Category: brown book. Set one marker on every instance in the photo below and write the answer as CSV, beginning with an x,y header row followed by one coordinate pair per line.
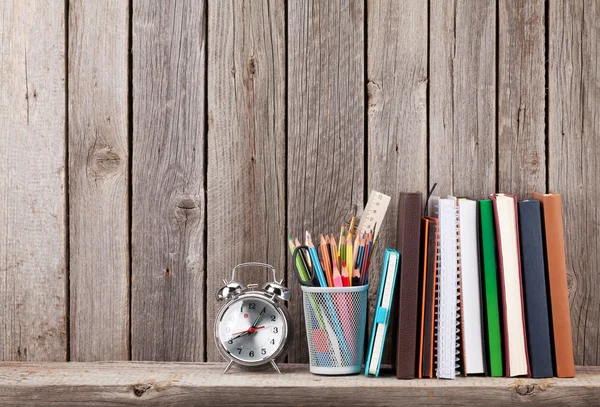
x,y
557,280
408,240
427,287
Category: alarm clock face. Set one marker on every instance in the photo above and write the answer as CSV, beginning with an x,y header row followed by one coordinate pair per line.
x,y
252,330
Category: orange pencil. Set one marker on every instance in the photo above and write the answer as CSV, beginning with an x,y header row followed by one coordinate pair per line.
x,y
337,277
326,263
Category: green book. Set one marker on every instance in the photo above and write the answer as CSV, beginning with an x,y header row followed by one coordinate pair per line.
x,y
489,265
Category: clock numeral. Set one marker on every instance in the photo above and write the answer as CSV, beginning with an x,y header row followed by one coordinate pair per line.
x,y
251,354
239,351
272,342
228,329
263,351
273,318
275,329
252,305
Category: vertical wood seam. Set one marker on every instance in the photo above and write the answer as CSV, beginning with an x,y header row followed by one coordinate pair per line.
x,y
427,109
365,103
130,172
205,187
288,272
67,207
547,91
496,121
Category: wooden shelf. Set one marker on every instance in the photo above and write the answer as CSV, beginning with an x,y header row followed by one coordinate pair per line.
x,y
147,383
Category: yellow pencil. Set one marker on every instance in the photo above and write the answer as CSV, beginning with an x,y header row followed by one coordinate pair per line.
x,y
349,257
339,254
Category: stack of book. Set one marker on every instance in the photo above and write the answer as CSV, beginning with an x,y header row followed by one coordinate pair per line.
x,y
481,289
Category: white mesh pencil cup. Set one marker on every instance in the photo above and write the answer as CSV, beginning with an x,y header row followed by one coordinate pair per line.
x,y
335,328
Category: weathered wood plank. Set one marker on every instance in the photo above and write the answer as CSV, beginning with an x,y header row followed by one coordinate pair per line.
x,y
397,111
98,174
167,315
574,148
167,384
521,97
32,181
246,144
325,125
462,97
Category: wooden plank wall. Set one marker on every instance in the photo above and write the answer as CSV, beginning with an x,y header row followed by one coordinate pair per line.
x,y
142,162
98,180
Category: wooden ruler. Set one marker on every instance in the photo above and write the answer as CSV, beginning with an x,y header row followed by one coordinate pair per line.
x,y
372,216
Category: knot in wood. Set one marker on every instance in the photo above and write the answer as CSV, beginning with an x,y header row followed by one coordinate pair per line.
x,y
103,162
186,210
141,388
252,66
527,389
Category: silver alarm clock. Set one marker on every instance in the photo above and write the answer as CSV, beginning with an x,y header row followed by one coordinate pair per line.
x,y
253,327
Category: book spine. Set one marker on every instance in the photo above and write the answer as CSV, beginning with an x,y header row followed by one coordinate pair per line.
x,y
459,320
448,330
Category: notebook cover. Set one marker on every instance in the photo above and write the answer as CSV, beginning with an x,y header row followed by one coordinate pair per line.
x,y
408,241
489,268
471,309
503,295
382,315
534,288
557,280
427,300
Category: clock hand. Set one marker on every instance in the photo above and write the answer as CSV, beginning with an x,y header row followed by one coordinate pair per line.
x,y
259,317
244,333
250,330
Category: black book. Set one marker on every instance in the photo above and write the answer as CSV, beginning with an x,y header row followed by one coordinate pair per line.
x,y
533,267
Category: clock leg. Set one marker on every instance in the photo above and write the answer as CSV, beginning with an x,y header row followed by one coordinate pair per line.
x,y
228,366
275,366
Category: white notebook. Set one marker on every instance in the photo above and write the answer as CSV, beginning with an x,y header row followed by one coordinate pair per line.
x,y
471,288
505,211
447,288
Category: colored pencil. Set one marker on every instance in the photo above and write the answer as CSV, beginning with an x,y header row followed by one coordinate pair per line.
x,y
345,276
337,277
349,257
316,263
326,262
339,247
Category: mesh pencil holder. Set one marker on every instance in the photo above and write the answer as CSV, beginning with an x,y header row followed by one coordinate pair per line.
x,y
335,328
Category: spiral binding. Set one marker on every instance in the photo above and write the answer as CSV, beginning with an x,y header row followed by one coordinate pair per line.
x,y
447,309
438,264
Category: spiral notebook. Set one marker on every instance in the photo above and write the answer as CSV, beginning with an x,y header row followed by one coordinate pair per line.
x,y
448,288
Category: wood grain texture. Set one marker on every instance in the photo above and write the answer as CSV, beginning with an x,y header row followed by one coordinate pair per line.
x,y
397,113
521,97
326,150
462,97
167,315
98,180
32,182
246,145
574,148
178,384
